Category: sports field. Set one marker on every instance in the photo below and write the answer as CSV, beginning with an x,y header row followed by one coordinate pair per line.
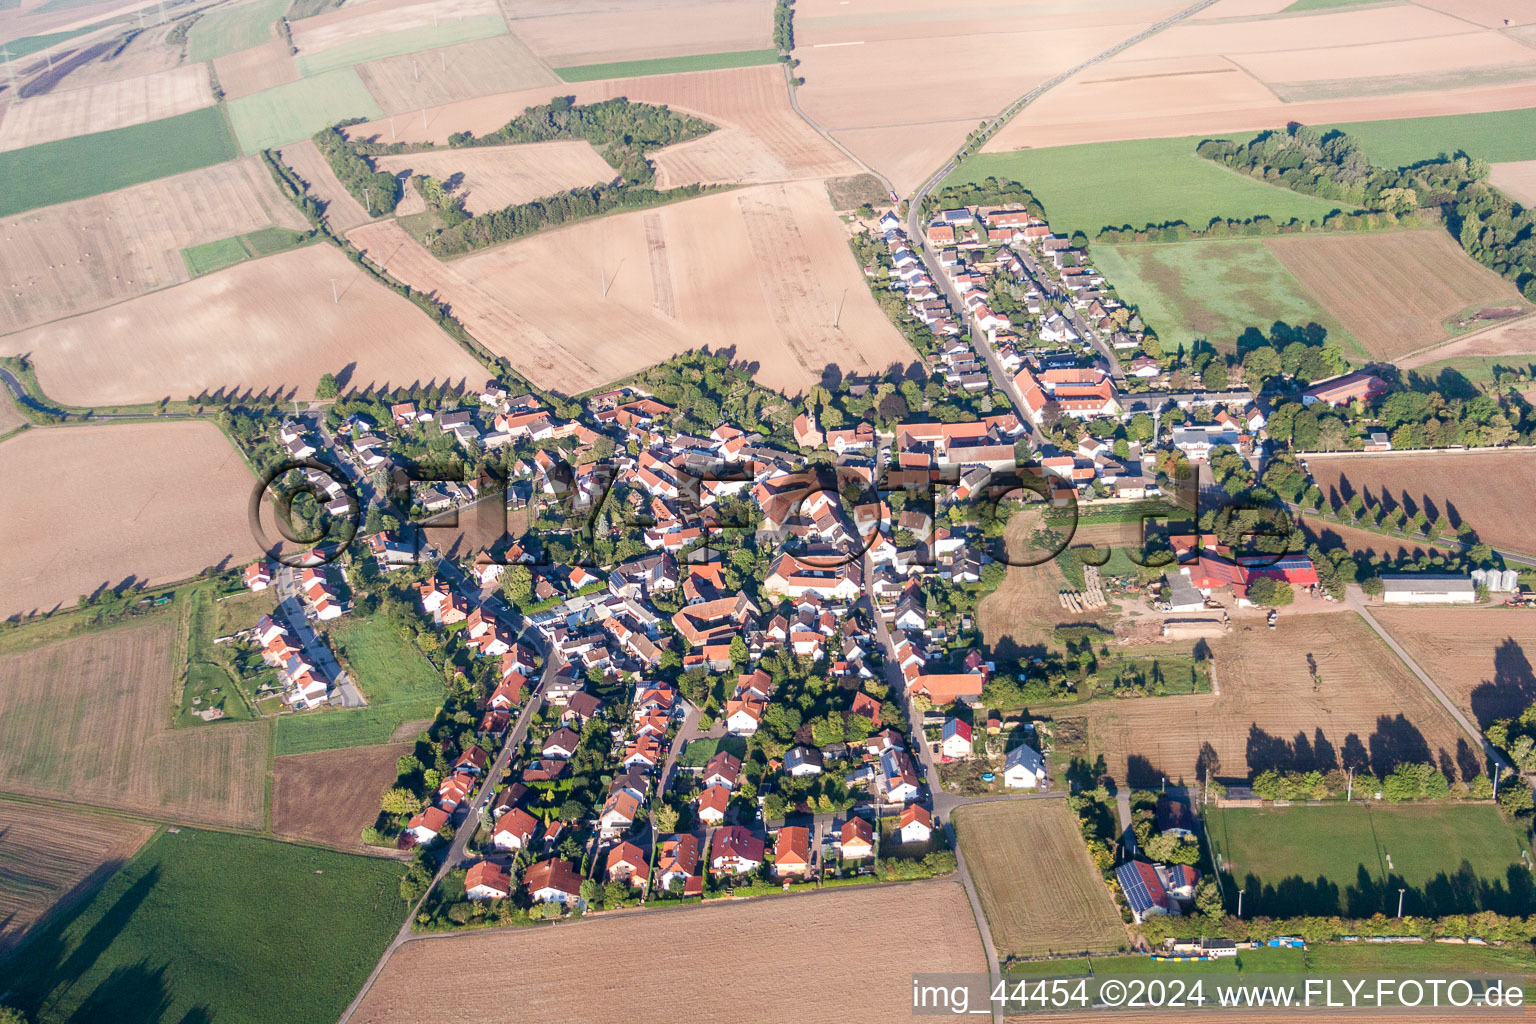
x,y
395,678
88,165
1146,181
1451,859
203,926
1211,290
394,44
668,65
1498,136
228,29
288,113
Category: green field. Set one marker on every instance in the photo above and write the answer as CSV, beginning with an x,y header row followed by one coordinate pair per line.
x,y
88,165
231,29
1321,5
1496,137
395,678
1147,181
209,684
31,44
208,927
1477,369
393,44
226,252
668,65
289,113
1451,859
1210,289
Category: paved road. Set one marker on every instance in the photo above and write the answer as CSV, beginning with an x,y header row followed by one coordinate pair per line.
x,y
291,606
686,732
1355,597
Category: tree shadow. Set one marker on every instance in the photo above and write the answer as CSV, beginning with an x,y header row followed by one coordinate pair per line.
x,y
1397,741
1512,688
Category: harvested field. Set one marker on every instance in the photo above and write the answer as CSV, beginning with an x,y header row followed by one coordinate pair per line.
x,y
233,28
1038,840
88,719
760,138
10,414
400,43
265,325
330,797
260,67
48,855
1360,541
1393,291
295,111
1516,338
1480,657
1367,708
1491,490
76,257
499,176
925,923
100,108
603,31
145,54
409,83
342,212
358,22
757,271
1516,179
88,510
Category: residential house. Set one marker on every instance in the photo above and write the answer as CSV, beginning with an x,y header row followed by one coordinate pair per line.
x,y
554,881
626,863
955,741
722,770
487,880
423,827
856,841
792,852
736,851
800,761
618,813
1024,768
514,830
678,860
712,804
915,825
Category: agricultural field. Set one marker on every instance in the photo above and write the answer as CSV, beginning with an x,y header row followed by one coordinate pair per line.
x,y
342,212
198,926
1478,656
87,719
394,44
927,923
118,516
1397,291
364,24
264,66
906,125
1212,290
11,416
759,137
89,165
1237,66
1480,488
1478,351
226,252
265,325
288,113
1516,179
48,856
668,65
761,270
227,30
1496,136
1359,540
1352,858
566,34
118,54
1038,840
395,678
80,256
410,83
100,108
1147,181
1271,711
331,796
499,176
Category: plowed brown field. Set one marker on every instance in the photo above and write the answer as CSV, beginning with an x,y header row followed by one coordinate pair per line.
x,y
1038,840
47,855
342,212
1392,290
270,324
1479,656
98,108
88,719
260,67
76,257
331,796
650,958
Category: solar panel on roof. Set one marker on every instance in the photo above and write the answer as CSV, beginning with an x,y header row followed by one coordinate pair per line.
x,y
1135,888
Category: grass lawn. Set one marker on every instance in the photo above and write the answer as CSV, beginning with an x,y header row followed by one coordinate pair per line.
x,y
393,44
698,752
226,252
292,112
1211,289
230,29
1177,672
209,683
203,926
395,678
1338,858
668,65
1146,181
88,165
1498,136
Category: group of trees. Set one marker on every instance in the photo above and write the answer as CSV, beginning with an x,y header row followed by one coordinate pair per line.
x,y
378,191
521,219
1261,226
784,27
1492,228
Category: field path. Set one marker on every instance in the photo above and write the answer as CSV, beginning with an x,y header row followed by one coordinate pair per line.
x,y
1354,597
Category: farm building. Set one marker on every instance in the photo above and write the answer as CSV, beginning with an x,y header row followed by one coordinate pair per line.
x,y
1428,589
1024,768
1351,387
1499,582
1182,595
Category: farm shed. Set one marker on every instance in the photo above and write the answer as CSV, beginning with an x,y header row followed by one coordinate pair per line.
x,y
1428,589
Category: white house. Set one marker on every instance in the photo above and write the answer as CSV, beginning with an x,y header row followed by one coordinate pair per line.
x,y
915,826
1024,768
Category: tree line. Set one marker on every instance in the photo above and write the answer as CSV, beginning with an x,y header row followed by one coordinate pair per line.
x,y
379,192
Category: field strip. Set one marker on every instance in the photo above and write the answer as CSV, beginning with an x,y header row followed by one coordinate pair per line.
x,y
1416,358
828,46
